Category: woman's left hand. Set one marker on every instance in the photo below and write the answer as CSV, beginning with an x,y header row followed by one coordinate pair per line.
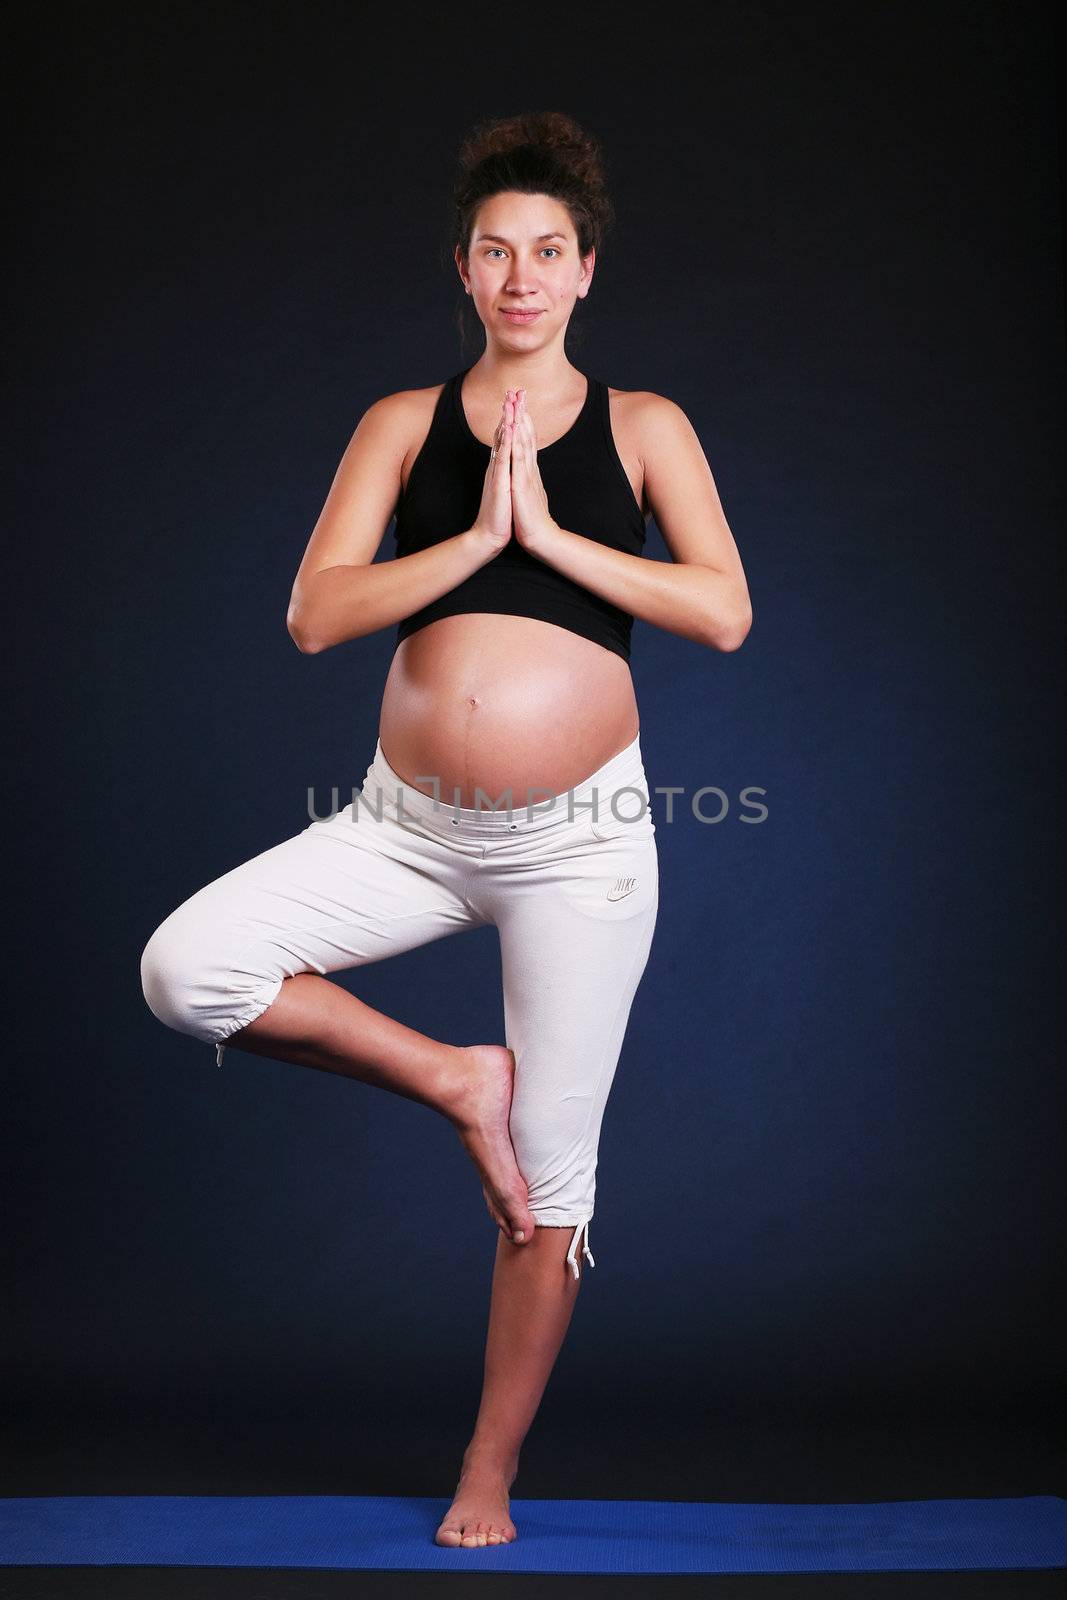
x,y
531,519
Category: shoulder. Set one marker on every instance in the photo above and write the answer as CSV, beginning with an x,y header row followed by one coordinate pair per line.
x,y
398,423
404,407
648,419
642,408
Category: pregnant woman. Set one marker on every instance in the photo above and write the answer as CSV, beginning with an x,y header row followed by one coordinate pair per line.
x,y
507,785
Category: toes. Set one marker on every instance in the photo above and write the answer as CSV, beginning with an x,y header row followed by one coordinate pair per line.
x,y
473,1535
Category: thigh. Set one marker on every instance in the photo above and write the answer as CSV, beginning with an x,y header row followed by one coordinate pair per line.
x,y
575,939
339,894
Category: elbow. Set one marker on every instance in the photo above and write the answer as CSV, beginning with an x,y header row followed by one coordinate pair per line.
x,y
306,646
305,641
731,634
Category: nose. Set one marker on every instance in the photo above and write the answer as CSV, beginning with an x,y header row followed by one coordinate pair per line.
x,y
519,282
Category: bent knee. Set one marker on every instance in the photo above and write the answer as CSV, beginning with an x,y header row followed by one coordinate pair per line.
x,y
172,979
195,981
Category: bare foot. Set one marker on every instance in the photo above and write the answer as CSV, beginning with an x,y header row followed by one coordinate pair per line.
x,y
479,1110
479,1513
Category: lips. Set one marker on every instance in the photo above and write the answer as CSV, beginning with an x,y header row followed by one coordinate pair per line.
x,y
522,316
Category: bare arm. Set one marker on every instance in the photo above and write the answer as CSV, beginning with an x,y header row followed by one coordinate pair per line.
x,y
702,594
340,593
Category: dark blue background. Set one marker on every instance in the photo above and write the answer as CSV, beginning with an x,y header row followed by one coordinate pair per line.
x,y
830,1189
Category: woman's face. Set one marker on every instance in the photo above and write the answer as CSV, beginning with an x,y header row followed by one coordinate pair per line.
x,y
524,257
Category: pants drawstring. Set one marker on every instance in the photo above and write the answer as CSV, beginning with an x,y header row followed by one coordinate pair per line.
x,y
571,1253
582,1228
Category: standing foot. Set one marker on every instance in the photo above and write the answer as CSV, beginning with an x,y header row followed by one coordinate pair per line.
x,y
480,1510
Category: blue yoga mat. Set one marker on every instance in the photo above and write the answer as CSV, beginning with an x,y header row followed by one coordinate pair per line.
x,y
351,1532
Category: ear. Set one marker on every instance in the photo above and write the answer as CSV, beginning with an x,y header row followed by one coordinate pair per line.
x,y
588,268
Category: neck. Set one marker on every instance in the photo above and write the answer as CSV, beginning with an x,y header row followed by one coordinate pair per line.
x,y
541,372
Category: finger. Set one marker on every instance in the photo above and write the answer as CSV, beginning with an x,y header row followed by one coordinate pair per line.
x,y
505,430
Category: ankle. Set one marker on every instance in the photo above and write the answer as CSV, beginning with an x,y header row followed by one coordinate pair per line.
x,y
458,1086
484,1456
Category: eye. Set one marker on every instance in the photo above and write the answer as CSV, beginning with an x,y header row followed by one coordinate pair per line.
x,y
496,248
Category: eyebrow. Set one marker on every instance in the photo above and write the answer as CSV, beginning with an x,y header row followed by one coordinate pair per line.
x,y
495,237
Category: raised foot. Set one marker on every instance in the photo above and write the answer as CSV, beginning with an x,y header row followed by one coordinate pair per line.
x,y
479,1513
480,1108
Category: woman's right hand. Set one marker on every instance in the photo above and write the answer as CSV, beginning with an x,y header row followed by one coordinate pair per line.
x,y
493,522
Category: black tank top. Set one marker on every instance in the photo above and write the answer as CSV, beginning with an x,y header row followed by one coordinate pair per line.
x,y
588,493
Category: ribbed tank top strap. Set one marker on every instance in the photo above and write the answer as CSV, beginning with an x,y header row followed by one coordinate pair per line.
x,y
604,416
459,428
610,450
586,430
447,417
441,458
443,436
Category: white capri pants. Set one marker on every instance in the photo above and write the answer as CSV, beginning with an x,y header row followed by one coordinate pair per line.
x,y
571,882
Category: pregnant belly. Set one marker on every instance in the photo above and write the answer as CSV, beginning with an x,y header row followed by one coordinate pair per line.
x,y
503,703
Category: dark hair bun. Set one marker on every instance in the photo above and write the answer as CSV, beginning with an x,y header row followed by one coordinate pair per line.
x,y
541,152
